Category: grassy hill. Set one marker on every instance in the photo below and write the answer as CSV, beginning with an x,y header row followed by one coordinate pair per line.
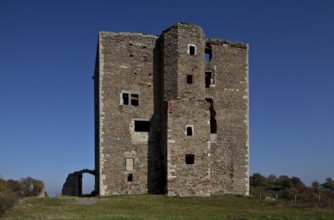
x,y
161,207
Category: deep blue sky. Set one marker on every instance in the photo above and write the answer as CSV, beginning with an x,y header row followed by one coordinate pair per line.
x,y
47,56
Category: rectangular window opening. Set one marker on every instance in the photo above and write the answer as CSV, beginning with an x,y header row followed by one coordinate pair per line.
x,y
189,131
130,177
134,99
191,50
190,159
125,97
208,55
189,79
142,126
208,79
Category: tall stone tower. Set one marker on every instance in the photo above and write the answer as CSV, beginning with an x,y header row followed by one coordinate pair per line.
x,y
171,114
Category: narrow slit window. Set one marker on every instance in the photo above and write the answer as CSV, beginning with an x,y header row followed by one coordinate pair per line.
x,y
142,126
130,177
190,159
134,99
208,79
189,79
189,131
125,97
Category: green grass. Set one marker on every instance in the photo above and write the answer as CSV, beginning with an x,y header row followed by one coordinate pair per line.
x,y
160,207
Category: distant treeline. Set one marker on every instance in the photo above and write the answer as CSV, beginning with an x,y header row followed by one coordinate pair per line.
x,y
293,189
12,190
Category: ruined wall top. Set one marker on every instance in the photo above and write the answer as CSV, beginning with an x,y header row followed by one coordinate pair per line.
x,y
184,25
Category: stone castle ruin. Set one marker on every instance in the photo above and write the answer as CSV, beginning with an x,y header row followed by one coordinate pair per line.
x,y
171,114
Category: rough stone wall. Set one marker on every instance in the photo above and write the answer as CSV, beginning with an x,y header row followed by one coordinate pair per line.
x,y
188,179
187,109
229,162
125,96
143,77
72,185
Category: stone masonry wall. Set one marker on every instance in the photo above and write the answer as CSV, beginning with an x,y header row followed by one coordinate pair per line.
x,y
188,179
229,162
126,96
171,114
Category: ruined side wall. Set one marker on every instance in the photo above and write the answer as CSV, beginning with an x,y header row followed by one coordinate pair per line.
x,y
126,72
229,149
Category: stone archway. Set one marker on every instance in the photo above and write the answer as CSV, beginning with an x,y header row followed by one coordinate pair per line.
x,y
73,183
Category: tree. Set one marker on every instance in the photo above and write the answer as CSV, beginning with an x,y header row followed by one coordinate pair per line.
x,y
315,186
258,180
3,186
14,186
272,179
329,184
284,182
297,182
31,187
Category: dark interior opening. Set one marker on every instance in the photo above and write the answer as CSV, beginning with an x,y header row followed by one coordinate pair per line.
x,y
189,131
208,77
190,158
191,50
213,121
142,126
125,98
189,79
134,99
130,177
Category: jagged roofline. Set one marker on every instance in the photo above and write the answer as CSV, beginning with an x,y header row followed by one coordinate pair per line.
x,y
178,24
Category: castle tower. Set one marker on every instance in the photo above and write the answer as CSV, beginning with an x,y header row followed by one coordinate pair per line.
x,y
187,112
171,114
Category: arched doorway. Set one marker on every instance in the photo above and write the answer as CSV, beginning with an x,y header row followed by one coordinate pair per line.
x,y
75,187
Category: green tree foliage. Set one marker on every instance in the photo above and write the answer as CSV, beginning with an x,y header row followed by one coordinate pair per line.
x,y
316,186
293,189
329,184
258,180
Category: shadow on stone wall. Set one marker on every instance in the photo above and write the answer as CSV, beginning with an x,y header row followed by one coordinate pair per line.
x,y
156,170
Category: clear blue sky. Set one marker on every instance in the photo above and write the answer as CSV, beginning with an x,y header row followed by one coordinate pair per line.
x,y
47,56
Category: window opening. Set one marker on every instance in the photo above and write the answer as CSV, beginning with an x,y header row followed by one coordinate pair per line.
x,y
130,177
213,121
190,159
208,79
189,131
208,55
125,97
191,49
129,99
189,79
134,99
142,126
